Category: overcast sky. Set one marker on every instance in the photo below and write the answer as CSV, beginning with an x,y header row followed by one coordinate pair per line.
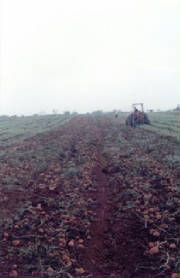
x,y
85,55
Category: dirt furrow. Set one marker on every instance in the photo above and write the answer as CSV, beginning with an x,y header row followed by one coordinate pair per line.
x,y
94,255
110,252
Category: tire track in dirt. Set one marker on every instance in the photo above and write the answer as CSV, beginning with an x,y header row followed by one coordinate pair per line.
x,y
110,251
94,256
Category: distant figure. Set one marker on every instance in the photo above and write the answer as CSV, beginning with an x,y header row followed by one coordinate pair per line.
x,y
116,115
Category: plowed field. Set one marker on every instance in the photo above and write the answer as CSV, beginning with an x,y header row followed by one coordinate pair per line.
x,y
90,198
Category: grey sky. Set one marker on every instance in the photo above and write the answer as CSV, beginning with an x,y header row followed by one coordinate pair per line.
x,y
81,55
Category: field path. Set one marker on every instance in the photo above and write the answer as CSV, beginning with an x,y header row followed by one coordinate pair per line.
x,y
94,257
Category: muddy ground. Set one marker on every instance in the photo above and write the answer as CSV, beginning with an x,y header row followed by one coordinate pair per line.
x,y
92,198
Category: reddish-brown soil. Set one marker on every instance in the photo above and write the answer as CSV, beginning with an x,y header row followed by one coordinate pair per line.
x,y
93,198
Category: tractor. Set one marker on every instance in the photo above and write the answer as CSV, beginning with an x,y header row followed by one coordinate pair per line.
x,y
137,117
